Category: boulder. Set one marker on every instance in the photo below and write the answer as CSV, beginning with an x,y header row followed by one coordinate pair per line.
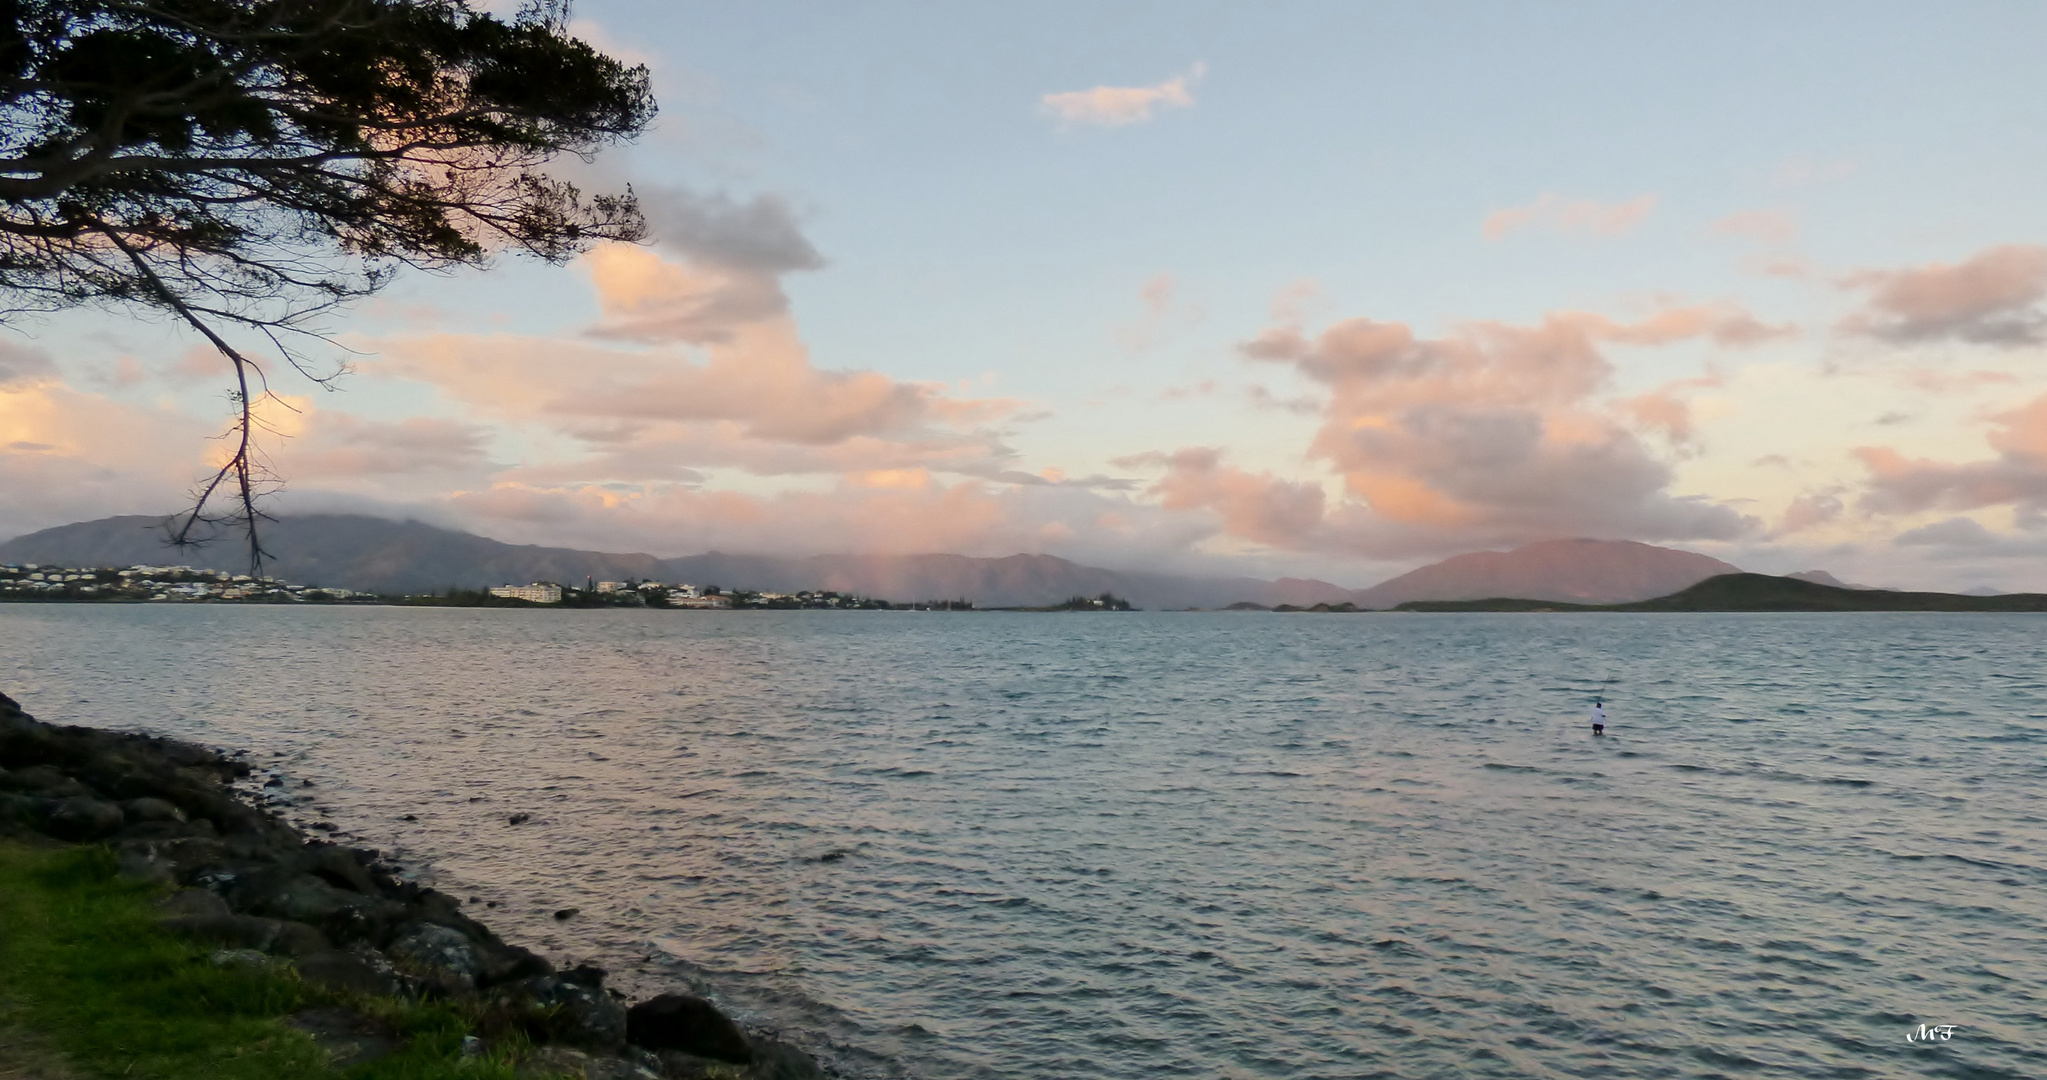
x,y
687,1023
555,1061
151,809
245,959
773,1060
191,903
343,867
249,932
182,859
349,1037
508,963
342,915
351,972
443,957
555,1009
44,781
82,818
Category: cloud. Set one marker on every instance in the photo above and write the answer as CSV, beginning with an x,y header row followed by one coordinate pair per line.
x,y
69,456
1811,509
1116,106
1769,226
900,513
23,366
760,235
1259,507
1990,298
2017,476
338,445
1157,297
1964,536
1558,214
696,366
1492,434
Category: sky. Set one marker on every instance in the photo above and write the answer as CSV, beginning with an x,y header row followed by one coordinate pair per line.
x,y
1316,289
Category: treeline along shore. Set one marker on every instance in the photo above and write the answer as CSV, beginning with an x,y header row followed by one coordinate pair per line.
x,y
324,954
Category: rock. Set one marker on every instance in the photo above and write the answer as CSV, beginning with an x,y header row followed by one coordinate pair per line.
x,y
687,1023
589,975
344,916
16,809
519,819
344,867
45,782
554,1009
249,959
191,903
81,818
350,972
181,860
773,1060
164,830
150,808
429,905
446,959
563,1061
249,932
348,1037
567,913
508,963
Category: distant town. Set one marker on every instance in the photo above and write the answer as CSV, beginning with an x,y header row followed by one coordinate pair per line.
x,y
185,584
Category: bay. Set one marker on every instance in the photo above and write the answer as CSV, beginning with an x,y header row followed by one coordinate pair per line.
x,y
1161,844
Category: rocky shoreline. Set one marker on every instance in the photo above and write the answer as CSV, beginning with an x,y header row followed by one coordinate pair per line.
x,y
260,892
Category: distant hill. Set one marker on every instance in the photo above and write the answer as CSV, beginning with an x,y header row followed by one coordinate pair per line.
x,y
1762,592
376,555
349,551
1569,571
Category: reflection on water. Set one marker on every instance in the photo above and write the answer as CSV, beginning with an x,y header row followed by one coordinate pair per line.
x,y
1049,846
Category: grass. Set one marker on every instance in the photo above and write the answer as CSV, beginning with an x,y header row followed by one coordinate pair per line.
x,y
91,987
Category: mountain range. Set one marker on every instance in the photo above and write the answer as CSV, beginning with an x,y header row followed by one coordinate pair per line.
x,y
378,555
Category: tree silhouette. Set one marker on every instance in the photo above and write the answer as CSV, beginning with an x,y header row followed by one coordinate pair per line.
x,y
249,166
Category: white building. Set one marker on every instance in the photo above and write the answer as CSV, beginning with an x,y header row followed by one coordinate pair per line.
x,y
699,601
536,592
612,586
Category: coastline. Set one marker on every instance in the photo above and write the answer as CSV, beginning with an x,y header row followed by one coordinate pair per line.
x,y
246,889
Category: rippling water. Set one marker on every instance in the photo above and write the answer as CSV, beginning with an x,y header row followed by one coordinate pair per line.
x,y
1044,846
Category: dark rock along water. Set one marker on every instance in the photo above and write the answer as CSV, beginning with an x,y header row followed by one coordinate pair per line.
x,y
1178,844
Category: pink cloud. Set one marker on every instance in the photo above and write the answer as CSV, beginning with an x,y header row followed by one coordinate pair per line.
x,y
1813,508
1990,298
1558,214
902,513
1492,432
1773,228
2017,476
1255,506
338,445
1116,106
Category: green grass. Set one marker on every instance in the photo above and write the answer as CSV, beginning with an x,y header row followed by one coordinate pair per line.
x,y
85,971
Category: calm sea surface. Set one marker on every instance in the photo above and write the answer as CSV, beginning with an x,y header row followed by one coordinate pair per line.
x,y
1157,845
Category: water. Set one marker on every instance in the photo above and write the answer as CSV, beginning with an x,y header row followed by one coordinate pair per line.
x,y
1044,846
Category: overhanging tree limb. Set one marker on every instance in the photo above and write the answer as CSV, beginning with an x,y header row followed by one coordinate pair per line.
x,y
252,165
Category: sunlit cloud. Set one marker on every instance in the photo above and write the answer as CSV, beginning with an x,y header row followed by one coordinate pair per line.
x,y
1555,213
1990,298
1496,432
1116,106
2017,476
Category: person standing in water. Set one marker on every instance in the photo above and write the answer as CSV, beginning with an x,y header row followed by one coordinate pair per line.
x,y
1598,717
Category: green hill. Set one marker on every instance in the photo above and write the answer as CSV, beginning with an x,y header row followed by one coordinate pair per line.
x,y
1761,592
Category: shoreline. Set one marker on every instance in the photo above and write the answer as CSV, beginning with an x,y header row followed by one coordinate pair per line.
x,y
236,878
